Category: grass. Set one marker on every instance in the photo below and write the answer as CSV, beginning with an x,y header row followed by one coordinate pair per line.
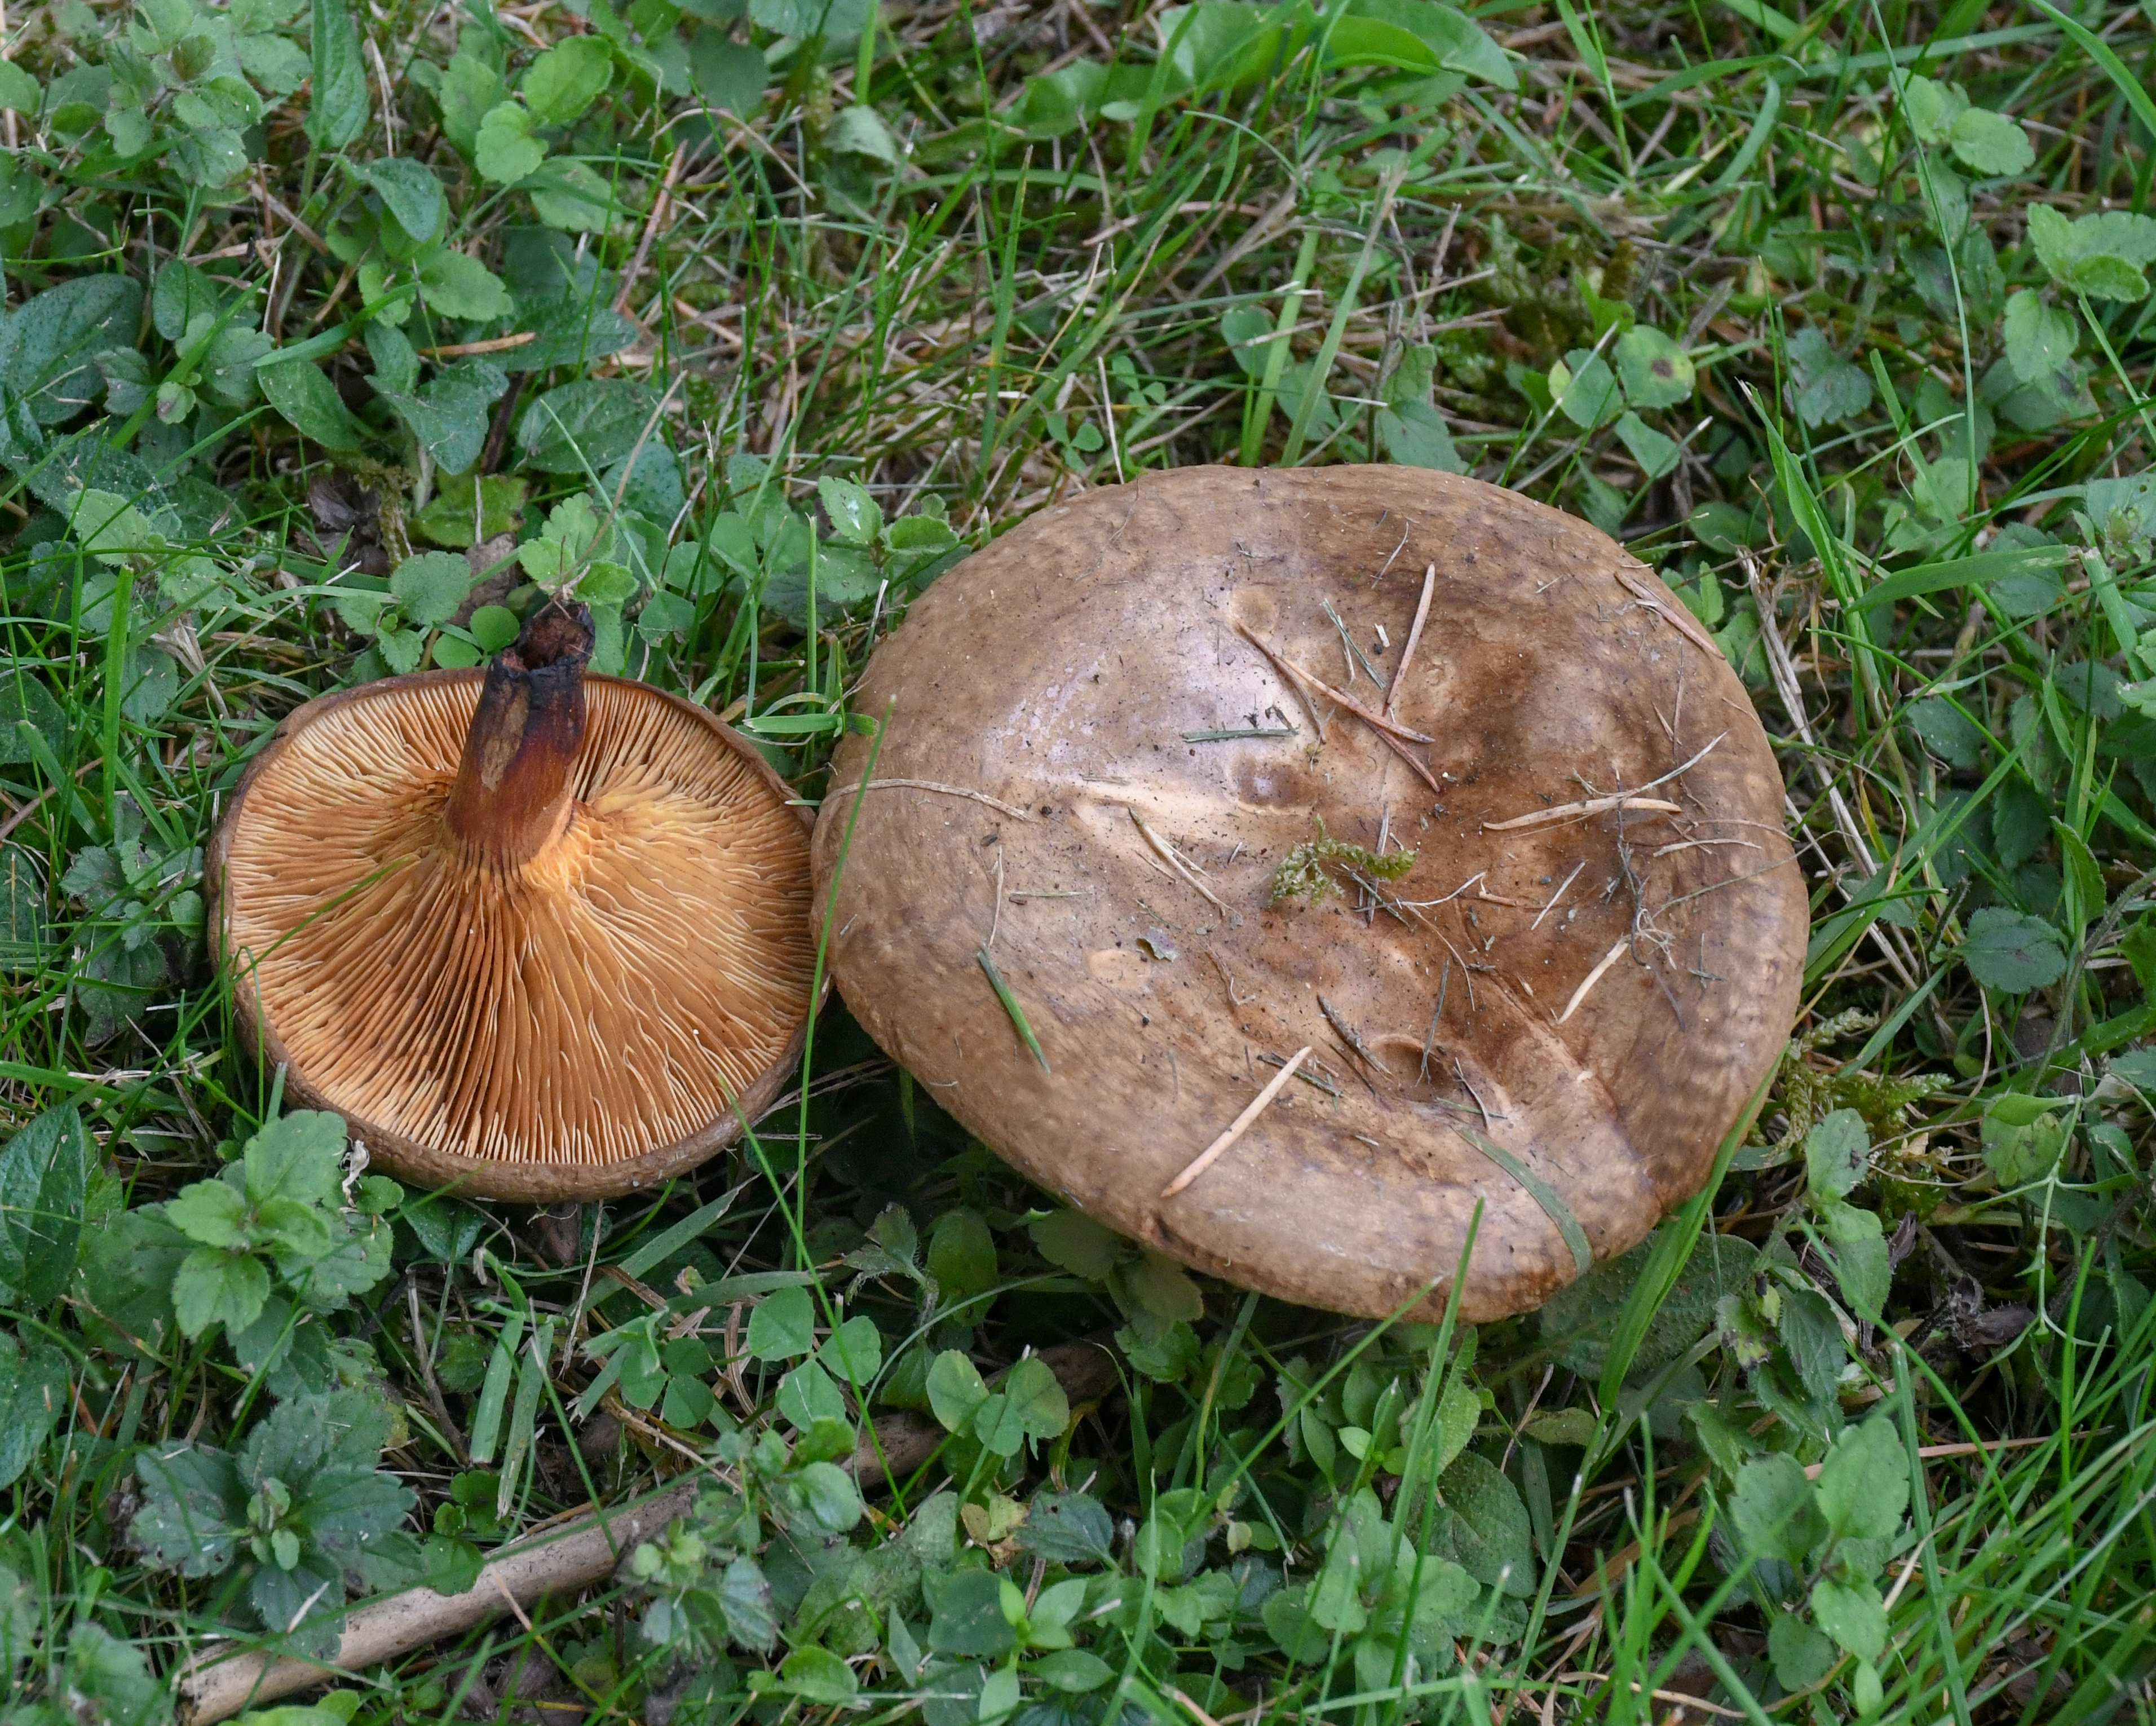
x,y
1897,490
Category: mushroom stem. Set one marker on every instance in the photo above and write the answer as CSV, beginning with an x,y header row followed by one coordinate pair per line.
x,y
512,797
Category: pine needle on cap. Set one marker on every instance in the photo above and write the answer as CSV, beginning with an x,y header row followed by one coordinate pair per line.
x,y
1620,800
1213,1152
1173,858
1584,806
1394,737
1593,978
1376,722
994,803
1415,636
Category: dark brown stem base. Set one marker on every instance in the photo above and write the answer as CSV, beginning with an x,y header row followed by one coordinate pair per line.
x,y
512,792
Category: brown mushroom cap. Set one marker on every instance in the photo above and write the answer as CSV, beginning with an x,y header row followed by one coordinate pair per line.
x,y
549,941
1064,672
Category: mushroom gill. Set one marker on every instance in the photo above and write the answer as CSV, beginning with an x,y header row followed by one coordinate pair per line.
x,y
542,952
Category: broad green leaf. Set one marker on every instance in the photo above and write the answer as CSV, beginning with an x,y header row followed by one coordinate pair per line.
x,y
967,1616
1037,1398
852,1354
452,424
1835,394
782,1326
44,1172
1852,1614
20,92
1864,1484
298,390
2100,255
228,369
2116,234
815,1675
996,1424
1459,43
396,361
833,20
567,78
300,1157
430,587
571,535
1586,389
1492,1536
1459,1413
1655,454
590,424
1932,108
470,509
338,107
1157,1287
568,333
411,194
745,1600
494,627
49,343
1416,435
727,74
2040,339
955,1390
1802,1656
33,1395
962,1255
829,1496
1069,1529
1861,1262
2024,1138
1372,42
212,1213
216,1287
605,582
1073,1241
2104,277
182,292
809,1394
858,130
1837,1154
2053,237
1655,371
1074,1670
458,286
503,148
194,1510
2012,952
1773,1511
470,89
567,195
112,529
1990,143
854,516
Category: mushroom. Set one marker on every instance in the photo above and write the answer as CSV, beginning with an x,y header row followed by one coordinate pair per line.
x,y
535,934
1426,792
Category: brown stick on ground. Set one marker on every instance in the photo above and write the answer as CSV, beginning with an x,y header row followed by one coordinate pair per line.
x,y
577,1555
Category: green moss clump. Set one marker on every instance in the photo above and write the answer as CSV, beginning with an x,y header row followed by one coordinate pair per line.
x,y
1302,875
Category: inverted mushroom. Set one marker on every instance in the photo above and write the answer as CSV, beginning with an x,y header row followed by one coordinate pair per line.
x,y
535,934
1153,761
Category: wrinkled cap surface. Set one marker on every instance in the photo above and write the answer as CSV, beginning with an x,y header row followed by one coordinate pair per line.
x,y
1099,673
578,1024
